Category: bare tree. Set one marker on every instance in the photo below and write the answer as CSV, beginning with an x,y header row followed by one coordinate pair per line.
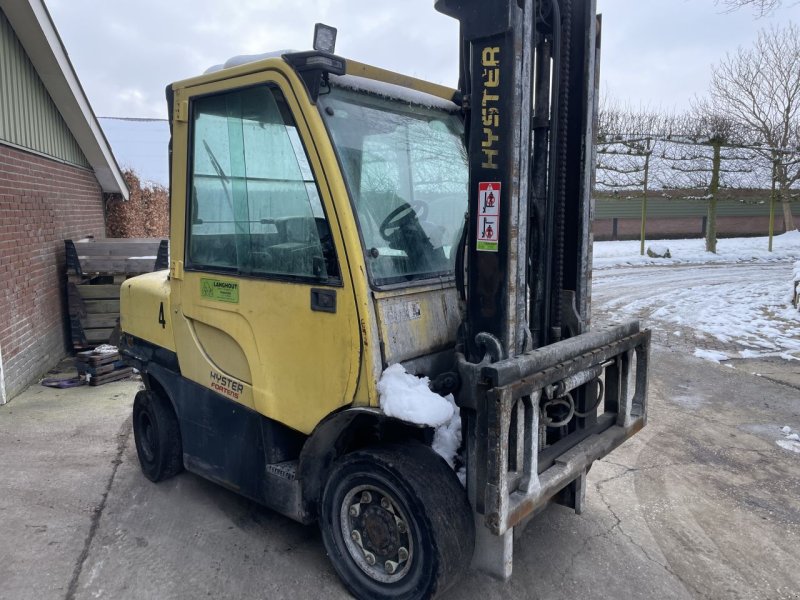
x,y
759,87
760,7
707,153
626,139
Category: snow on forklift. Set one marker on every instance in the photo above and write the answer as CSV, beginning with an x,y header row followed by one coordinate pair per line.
x,y
318,236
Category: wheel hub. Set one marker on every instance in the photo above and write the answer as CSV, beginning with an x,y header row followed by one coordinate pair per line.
x,y
375,531
379,531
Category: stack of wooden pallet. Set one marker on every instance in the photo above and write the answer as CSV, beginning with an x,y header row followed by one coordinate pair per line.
x,y
95,270
101,367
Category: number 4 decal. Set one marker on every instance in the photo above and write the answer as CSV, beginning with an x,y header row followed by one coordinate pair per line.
x,y
161,320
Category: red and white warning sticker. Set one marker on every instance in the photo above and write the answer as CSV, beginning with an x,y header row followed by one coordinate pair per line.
x,y
488,216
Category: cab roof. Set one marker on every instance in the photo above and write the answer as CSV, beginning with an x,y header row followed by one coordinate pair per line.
x,y
342,72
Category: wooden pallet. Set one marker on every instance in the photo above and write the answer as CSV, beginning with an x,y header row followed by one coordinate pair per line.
x,y
116,256
112,376
95,272
95,360
102,368
99,369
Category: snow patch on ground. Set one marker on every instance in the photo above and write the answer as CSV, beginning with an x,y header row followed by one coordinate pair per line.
x,y
789,445
407,397
791,440
750,311
729,250
710,355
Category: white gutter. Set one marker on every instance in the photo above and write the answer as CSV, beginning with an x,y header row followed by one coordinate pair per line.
x,y
37,34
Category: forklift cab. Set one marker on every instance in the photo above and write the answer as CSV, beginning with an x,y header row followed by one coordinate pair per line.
x,y
313,236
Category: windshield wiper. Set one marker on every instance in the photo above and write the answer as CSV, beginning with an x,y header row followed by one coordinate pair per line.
x,y
220,173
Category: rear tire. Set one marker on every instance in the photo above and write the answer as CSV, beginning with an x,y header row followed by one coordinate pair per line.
x,y
396,523
157,436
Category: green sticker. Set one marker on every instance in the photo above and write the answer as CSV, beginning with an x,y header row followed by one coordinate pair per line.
x,y
487,246
217,289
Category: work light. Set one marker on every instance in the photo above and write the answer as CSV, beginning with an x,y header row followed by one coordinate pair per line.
x,y
324,38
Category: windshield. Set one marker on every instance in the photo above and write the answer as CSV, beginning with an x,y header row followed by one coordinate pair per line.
x,y
406,169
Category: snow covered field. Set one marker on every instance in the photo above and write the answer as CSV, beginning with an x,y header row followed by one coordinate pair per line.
x,y
736,304
786,247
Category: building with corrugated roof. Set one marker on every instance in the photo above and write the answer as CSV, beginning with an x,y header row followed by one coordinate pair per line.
x,y
56,169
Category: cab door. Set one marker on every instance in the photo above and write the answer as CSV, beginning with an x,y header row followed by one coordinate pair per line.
x,y
267,312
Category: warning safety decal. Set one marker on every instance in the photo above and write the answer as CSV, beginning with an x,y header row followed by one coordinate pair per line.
x,y
488,216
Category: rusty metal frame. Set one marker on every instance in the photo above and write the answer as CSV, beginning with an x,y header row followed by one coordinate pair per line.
x,y
506,481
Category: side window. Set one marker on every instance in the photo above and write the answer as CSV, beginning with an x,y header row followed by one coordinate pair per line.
x,y
255,208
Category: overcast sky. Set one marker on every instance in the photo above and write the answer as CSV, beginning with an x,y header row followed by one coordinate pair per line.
x,y
655,52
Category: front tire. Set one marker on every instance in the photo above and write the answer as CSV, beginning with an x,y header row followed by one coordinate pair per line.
x,y
157,436
396,523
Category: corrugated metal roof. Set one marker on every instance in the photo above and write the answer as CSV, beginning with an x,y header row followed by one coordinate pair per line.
x,y
36,34
29,118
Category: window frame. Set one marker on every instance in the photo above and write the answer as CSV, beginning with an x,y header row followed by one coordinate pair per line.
x,y
191,266
447,278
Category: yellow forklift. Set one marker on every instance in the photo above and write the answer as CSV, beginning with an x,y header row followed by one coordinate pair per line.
x,y
330,219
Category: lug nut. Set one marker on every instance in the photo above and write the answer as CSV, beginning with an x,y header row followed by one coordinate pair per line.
x,y
402,554
401,526
370,558
385,504
390,567
355,510
366,498
356,537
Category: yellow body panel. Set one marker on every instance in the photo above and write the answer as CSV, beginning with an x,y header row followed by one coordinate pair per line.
x,y
268,350
140,307
301,364
378,74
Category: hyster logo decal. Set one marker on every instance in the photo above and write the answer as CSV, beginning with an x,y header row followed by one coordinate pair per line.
x,y
226,386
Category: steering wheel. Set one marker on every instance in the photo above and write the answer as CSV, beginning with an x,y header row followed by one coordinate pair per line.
x,y
402,216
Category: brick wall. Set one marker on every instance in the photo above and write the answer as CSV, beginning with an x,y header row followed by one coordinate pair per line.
x,y
684,227
42,203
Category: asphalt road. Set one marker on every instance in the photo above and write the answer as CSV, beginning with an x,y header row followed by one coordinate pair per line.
x,y
701,504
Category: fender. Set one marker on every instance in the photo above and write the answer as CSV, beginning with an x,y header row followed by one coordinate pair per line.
x,y
345,431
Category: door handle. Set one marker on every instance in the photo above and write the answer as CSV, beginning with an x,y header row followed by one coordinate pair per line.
x,y
323,300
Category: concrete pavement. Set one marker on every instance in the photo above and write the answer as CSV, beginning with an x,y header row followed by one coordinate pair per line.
x,y
701,504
